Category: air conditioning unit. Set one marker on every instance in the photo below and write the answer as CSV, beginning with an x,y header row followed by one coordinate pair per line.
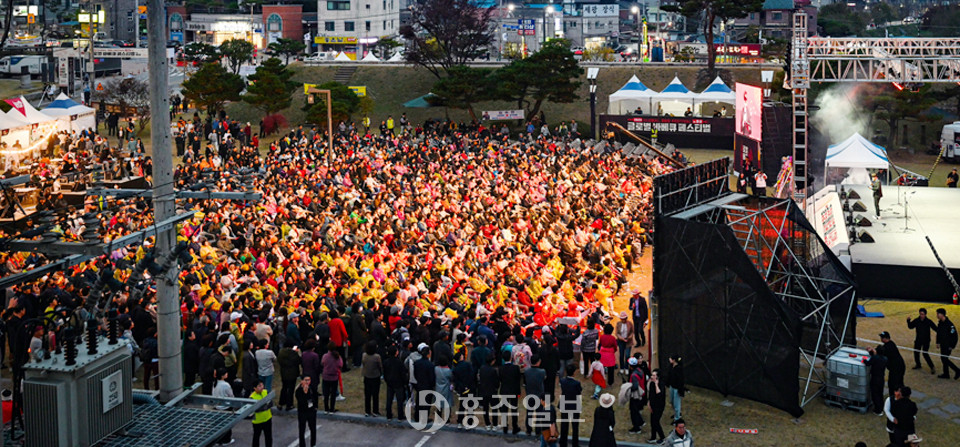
x,y
78,405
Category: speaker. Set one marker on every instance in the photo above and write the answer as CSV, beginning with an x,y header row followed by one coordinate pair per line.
x,y
859,206
864,236
846,205
862,221
853,195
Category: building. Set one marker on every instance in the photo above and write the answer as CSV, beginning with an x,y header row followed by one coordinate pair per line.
x,y
775,19
523,28
353,25
272,23
120,20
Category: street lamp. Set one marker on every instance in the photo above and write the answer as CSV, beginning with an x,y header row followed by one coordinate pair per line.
x,y
92,19
548,10
592,78
636,28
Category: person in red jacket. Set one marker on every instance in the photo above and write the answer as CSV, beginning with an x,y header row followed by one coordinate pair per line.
x,y
338,336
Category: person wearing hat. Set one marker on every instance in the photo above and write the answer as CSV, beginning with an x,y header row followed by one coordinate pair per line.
x,y
953,178
624,333
604,420
680,436
877,189
638,397
895,366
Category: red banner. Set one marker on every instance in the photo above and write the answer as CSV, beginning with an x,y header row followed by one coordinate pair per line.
x,y
17,103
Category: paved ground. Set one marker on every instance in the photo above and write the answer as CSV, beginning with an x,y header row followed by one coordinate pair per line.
x,y
349,434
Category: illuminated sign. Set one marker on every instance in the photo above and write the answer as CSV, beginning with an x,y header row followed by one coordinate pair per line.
x,y
342,40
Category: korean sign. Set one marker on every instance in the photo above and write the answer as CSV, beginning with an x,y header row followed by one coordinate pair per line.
x,y
601,10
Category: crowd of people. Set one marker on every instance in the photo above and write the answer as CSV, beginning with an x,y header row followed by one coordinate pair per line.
x,y
436,258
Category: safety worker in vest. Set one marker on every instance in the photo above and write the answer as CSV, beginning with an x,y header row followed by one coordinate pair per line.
x,y
390,124
262,422
366,124
653,135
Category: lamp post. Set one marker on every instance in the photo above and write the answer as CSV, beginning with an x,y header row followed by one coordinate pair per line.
x,y
636,29
503,34
92,19
592,78
548,10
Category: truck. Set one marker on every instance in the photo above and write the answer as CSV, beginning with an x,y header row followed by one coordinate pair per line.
x,y
950,142
13,65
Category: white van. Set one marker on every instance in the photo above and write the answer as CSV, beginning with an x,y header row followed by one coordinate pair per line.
x,y
950,141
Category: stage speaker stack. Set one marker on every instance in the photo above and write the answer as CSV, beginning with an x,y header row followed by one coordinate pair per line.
x,y
859,206
864,236
862,221
853,195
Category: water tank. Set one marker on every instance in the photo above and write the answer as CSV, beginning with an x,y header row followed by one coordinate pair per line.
x,y
848,378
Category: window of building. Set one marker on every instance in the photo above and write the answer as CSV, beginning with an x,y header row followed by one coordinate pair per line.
x,y
778,16
336,5
329,26
368,6
368,25
384,5
348,26
274,23
384,25
753,16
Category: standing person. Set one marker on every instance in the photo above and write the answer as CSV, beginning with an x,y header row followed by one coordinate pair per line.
x,y
588,341
921,341
510,378
679,437
489,385
289,361
464,383
262,420
149,355
760,180
395,375
677,384
223,389
307,410
250,372
657,397
946,342
895,364
371,369
551,364
565,340
608,352
191,359
638,391
533,379
603,422
638,304
310,363
331,363
425,379
571,401
265,369
624,333
877,189
901,415
952,178
444,384
878,366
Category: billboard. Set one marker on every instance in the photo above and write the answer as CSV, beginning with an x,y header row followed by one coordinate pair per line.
x,y
749,101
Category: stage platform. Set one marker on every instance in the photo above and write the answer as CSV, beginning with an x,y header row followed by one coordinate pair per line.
x,y
899,264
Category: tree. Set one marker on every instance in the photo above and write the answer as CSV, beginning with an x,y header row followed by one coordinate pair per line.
x,y
129,94
840,20
941,21
882,13
895,102
236,52
447,33
345,103
200,52
384,46
286,48
270,87
463,86
711,11
212,86
550,74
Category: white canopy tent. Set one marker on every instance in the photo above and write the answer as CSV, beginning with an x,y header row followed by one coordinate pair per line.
x,y
342,57
397,57
715,94
370,58
633,94
73,115
15,132
674,99
855,154
30,114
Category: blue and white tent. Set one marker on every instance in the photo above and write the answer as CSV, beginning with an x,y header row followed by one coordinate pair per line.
x,y
857,152
72,115
715,93
633,94
674,99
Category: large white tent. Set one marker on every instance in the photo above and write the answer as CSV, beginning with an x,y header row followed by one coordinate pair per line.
x,y
370,57
30,114
715,94
633,94
73,115
674,99
15,131
855,154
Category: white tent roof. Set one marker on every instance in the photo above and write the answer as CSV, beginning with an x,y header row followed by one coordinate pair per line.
x,y
370,58
31,115
857,152
717,91
342,57
64,106
675,91
395,58
11,122
633,89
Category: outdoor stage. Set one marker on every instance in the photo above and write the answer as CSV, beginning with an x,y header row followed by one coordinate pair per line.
x,y
900,263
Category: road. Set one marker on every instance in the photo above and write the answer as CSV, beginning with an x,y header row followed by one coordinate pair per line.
x,y
352,434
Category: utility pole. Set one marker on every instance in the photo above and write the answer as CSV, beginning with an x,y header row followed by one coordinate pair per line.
x,y
168,299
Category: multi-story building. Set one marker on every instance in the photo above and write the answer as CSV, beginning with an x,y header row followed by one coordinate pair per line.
x,y
261,28
775,19
352,25
120,20
523,28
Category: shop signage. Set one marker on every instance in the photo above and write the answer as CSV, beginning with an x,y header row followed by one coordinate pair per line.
x,y
335,40
197,26
601,10
359,90
669,124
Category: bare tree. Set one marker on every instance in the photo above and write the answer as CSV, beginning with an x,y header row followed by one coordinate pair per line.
x,y
447,33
